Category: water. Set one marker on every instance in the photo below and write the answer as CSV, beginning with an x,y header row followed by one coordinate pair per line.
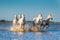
x,y
53,33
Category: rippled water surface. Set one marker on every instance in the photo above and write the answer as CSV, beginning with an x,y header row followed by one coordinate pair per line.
x,y
53,33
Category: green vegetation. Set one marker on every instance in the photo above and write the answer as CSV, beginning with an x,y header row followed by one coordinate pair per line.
x,y
3,21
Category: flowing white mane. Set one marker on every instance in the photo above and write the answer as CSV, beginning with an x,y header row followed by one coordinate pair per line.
x,y
49,16
21,20
38,18
15,20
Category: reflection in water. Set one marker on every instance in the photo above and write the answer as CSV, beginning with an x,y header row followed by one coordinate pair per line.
x,y
37,35
19,33
8,35
48,35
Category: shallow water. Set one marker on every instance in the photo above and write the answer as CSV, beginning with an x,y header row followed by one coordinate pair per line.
x,y
53,33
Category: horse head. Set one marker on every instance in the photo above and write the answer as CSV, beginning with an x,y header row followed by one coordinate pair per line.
x,y
49,17
15,20
22,15
40,16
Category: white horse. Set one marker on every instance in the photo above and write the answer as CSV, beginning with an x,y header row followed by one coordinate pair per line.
x,y
37,19
21,21
15,21
45,23
36,22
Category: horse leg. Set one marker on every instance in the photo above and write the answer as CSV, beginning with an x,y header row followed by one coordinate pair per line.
x,y
45,27
41,27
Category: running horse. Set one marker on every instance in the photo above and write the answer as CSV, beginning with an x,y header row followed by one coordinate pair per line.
x,y
45,23
36,21
15,21
18,24
21,21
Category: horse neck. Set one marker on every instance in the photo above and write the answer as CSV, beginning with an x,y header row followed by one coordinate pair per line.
x,y
40,17
22,18
48,19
